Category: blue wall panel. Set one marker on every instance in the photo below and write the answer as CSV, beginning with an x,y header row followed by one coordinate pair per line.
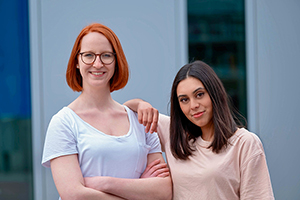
x,y
14,60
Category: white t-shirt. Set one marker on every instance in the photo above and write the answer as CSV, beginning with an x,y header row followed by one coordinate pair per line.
x,y
99,154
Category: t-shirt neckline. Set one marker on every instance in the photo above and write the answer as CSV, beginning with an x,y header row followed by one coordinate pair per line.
x,y
113,136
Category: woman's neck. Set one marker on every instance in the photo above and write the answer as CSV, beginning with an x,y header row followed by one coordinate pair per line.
x,y
93,99
208,132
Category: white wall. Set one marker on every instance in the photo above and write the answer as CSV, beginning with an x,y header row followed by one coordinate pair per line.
x,y
152,34
273,51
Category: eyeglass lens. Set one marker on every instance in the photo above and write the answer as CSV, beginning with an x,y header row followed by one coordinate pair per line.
x,y
90,57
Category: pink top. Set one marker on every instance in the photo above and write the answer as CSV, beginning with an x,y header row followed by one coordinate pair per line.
x,y
238,172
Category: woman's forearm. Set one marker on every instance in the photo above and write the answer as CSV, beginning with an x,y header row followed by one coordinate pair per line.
x,y
70,183
147,115
133,104
146,188
88,194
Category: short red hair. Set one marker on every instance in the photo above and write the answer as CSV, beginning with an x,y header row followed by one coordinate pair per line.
x,y
121,75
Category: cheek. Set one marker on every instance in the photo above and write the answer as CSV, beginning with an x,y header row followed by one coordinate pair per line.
x,y
112,68
208,103
210,112
112,71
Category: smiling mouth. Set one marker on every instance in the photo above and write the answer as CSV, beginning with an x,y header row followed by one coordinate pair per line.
x,y
97,73
199,114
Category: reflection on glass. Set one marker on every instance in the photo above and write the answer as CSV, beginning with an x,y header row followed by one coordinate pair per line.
x,y
15,108
216,31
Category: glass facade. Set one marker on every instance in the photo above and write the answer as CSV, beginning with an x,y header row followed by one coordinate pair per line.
x,y
16,181
216,33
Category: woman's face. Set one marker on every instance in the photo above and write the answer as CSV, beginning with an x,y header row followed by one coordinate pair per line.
x,y
96,74
195,102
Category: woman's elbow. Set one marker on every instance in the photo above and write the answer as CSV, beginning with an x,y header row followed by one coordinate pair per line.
x,y
76,194
168,195
72,197
167,192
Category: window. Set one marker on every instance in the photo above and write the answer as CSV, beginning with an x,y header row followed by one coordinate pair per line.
x,y
216,32
15,104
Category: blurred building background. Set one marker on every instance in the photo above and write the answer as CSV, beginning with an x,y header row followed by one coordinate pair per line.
x,y
253,45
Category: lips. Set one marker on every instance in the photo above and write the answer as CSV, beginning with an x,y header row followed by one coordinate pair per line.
x,y
198,114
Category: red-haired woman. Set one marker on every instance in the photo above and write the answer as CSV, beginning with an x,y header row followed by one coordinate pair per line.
x,y
96,147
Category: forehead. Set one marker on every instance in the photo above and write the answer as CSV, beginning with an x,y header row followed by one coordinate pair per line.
x,y
95,40
188,86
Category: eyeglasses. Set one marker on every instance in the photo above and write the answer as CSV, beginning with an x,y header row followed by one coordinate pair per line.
x,y
90,57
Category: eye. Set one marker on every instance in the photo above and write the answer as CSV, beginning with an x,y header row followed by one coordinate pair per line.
x,y
107,55
183,100
199,94
88,55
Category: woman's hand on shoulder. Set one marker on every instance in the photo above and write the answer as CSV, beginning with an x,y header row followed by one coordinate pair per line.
x,y
148,116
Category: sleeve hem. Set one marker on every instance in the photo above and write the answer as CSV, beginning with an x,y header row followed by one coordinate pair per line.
x,y
46,161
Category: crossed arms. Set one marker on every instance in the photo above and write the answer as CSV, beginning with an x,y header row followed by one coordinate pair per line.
x,y
155,182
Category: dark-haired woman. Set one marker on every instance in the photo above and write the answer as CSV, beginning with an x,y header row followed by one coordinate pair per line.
x,y
208,155
95,146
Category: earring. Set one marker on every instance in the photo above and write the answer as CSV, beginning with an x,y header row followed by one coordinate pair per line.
x,y
78,66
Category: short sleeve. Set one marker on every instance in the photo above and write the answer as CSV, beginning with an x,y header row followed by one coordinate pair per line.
x,y
163,129
255,178
60,139
153,141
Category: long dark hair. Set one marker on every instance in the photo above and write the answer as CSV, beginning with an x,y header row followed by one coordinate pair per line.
x,y
182,130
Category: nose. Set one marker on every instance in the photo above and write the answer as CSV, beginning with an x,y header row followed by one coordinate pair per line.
x,y
194,104
98,63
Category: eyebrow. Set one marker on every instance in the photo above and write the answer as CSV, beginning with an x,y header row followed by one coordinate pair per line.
x,y
199,88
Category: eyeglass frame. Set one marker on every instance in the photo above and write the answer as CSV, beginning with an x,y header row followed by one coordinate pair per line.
x,y
97,54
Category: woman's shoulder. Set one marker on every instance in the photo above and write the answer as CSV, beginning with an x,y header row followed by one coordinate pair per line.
x,y
244,135
133,116
247,141
163,128
63,112
164,118
163,121
63,115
